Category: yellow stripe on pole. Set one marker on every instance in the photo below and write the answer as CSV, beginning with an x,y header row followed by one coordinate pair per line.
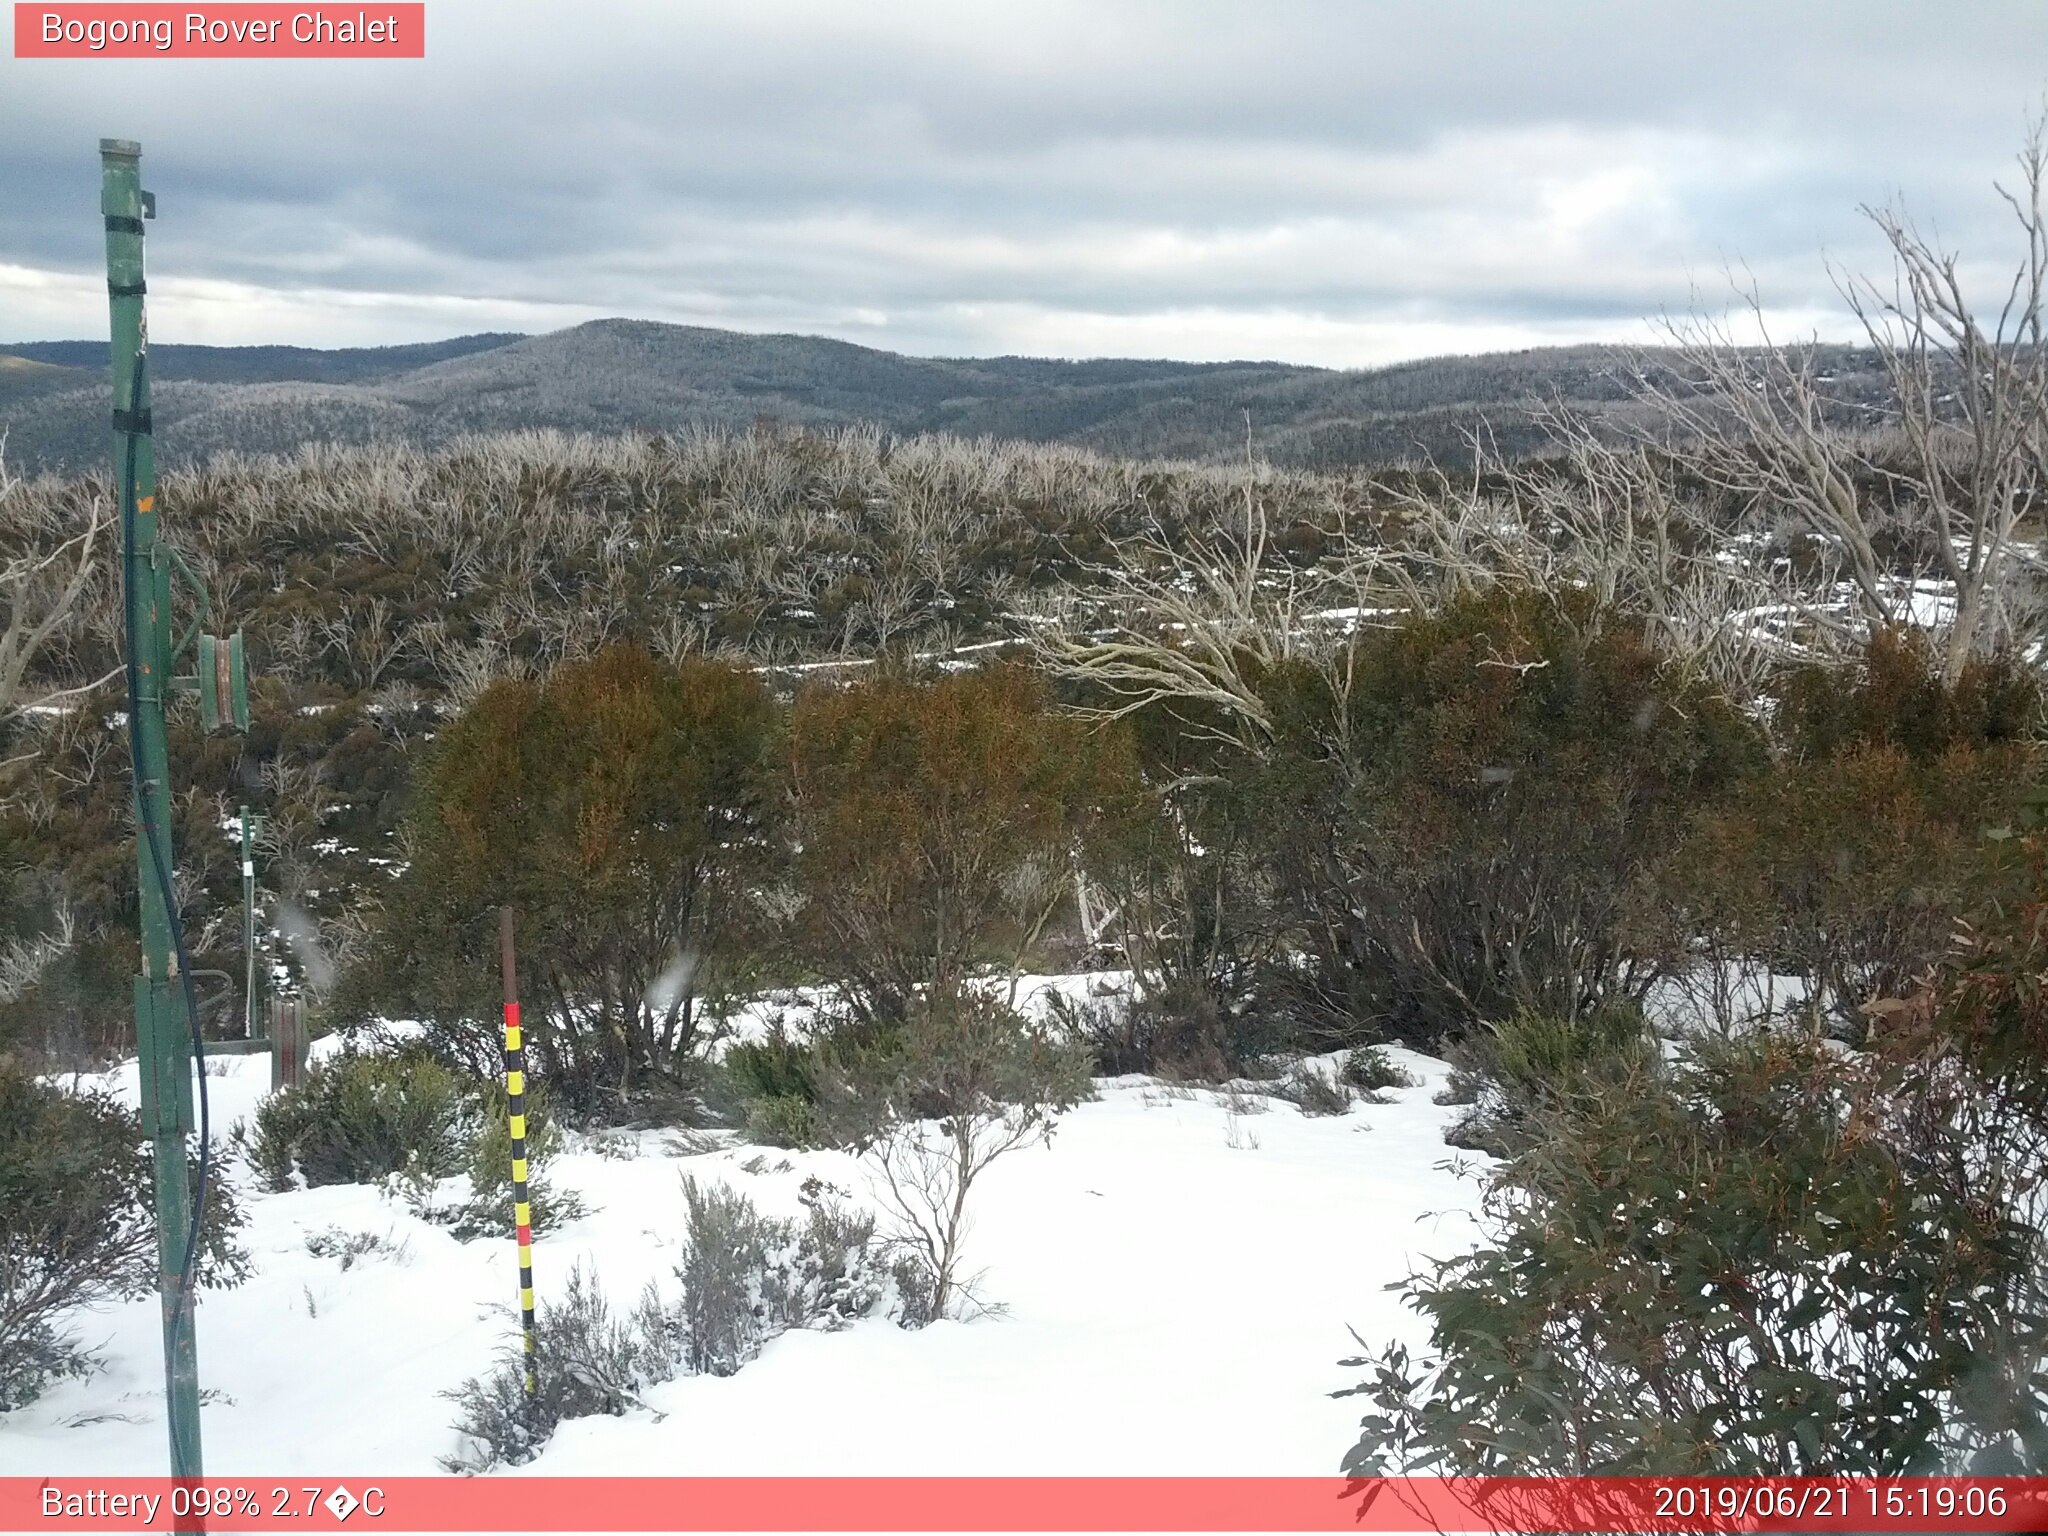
x,y
515,1111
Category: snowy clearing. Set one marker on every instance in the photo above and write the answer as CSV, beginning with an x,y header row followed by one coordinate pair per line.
x,y
1174,1281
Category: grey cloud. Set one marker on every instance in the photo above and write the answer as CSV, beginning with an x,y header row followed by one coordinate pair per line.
x,y
812,166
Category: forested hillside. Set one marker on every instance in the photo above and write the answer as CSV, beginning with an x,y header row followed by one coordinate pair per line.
x,y
625,375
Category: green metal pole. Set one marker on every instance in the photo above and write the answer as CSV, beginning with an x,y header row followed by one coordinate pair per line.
x,y
163,1032
248,932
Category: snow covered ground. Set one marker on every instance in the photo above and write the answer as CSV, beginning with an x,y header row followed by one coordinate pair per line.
x,y
1176,1279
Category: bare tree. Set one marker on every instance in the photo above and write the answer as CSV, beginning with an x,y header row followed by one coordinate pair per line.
x,y
972,1083
1201,616
1960,454
1610,519
44,570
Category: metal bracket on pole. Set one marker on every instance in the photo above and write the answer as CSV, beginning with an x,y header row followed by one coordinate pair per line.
x,y
223,684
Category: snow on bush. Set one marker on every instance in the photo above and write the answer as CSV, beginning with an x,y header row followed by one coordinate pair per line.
x,y
746,1278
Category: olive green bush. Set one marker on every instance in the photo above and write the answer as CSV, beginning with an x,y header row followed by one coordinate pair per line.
x,y
1367,1069
771,1086
1511,1071
362,1115
1771,1259
1460,830
487,1212
78,1227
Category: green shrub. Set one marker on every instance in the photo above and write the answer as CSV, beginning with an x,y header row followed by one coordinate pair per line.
x,y
78,1226
1772,1259
783,1121
747,1277
488,1210
361,1116
1512,1070
1459,833
588,1362
1367,1069
771,1085
776,1066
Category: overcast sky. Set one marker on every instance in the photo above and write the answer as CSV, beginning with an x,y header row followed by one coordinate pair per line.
x,y
1334,183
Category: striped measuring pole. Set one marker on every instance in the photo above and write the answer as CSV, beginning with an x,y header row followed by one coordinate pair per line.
x,y
515,1109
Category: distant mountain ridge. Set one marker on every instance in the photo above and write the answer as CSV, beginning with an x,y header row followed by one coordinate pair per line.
x,y
633,375
267,364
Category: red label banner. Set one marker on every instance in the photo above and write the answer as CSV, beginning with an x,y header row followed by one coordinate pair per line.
x,y
534,1504
235,31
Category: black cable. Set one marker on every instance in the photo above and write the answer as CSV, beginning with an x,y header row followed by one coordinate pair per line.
x,y
187,1268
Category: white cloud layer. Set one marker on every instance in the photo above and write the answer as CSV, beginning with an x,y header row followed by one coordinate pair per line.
x,y
1337,183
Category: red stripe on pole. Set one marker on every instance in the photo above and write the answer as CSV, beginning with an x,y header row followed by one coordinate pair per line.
x,y
525,1235
1062,1504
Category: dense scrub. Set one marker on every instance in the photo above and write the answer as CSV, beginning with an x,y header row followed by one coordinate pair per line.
x,y
1772,1257
384,588
1458,831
